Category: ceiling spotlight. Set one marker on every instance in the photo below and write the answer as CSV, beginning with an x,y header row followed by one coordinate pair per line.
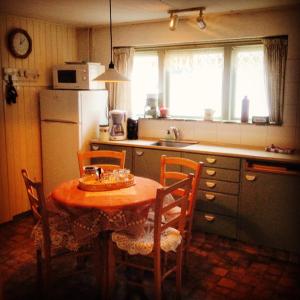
x,y
173,21
200,20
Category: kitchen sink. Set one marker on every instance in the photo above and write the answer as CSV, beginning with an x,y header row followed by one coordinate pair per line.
x,y
176,144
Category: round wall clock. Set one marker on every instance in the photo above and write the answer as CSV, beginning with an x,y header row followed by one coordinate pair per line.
x,y
19,43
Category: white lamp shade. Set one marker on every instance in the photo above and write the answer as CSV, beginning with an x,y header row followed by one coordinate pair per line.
x,y
111,75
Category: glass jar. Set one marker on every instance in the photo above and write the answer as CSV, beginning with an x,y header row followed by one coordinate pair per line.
x,y
151,107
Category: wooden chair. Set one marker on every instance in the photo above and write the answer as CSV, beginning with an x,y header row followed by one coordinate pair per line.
x,y
107,155
186,165
44,224
163,232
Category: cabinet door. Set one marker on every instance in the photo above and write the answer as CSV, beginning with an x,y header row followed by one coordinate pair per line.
x,y
147,162
128,159
269,212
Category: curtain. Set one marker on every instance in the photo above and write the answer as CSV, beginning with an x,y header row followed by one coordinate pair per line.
x,y
120,93
275,54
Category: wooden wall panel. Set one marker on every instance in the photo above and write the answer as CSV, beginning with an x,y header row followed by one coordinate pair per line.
x,y
20,140
5,210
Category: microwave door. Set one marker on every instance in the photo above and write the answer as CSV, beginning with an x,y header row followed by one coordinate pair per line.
x,y
66,76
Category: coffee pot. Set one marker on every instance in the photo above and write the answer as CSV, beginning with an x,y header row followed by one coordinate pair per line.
x,y
117,125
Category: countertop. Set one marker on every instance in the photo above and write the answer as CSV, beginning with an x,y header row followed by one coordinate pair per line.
x,y
204,148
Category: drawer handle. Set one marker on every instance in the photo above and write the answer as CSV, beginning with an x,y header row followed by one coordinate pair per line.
x,y
210,160
139,153
211,172
209,218
210,184
210,196
95,147
250,177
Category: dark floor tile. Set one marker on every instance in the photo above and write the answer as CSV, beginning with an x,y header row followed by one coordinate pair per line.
x,y
219,268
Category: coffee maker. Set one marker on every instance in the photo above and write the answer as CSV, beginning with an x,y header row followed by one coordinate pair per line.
x,y
117,125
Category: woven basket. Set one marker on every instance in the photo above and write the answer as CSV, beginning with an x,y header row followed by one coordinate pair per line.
x,y
98,186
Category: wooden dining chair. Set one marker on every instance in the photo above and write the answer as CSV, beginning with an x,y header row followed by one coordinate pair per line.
x,y
163,237
53,241
109,160
186,166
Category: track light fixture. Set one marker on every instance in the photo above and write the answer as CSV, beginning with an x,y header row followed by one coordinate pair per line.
x,y
200,20
173,22
174,18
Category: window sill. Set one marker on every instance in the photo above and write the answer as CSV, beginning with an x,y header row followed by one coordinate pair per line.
x,y
213,121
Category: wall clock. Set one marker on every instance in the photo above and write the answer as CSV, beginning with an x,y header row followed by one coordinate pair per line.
x,y
19,43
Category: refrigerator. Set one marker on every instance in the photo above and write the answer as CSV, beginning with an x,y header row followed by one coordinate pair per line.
x,y
69,120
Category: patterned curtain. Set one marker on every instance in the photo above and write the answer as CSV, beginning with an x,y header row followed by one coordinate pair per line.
x,y
275,54
120,93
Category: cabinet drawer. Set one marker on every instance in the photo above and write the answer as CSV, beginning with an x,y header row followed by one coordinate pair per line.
x,y
221,174
214,223
219,186
215,161
217,203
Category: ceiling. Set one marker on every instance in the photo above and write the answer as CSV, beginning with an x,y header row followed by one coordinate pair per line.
x,y
96,12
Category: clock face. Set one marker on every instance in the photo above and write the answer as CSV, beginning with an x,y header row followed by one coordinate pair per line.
x,y
19,43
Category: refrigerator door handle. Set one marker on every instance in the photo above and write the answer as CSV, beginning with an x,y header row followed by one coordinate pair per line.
x,y
59,121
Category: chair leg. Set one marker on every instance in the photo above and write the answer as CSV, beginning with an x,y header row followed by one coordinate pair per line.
x,y
111,265
179,271
47,281
97,264
187,243
157,276
39,272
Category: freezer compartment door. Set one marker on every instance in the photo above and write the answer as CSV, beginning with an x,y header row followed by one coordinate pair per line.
x,y
60,143
60,105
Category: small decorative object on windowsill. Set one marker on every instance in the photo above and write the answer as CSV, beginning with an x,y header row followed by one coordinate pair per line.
x,y
208,114
245,110
258,120
163,112
277,149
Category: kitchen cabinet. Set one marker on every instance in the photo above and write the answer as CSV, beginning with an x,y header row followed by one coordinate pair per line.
x,y
217,198
128,159
146,162
269,208
234,199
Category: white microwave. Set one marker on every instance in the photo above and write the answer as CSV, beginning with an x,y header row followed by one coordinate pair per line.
x,y
78,76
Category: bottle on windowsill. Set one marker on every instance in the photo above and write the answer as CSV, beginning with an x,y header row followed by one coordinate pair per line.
x,y
245,110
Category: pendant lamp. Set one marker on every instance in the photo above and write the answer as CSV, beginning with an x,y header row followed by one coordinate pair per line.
x,y
111,74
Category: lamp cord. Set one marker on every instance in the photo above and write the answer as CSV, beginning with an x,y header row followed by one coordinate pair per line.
x,y
110,28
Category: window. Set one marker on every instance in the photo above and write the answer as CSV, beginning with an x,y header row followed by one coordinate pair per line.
x,y
193,79
144,79
248,80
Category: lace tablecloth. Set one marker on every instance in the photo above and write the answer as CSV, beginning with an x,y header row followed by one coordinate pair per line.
x,y
72,227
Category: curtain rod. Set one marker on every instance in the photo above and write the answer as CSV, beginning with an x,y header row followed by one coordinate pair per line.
x,y
233,42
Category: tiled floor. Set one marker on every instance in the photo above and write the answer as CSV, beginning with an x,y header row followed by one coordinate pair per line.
x,y
219,269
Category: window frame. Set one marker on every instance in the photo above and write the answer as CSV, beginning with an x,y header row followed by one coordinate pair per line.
x,y
227,110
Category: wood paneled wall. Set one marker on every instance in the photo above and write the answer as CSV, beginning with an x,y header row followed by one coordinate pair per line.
x,y
20,141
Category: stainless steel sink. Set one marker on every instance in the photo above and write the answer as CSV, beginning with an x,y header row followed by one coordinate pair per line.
x,y
176,144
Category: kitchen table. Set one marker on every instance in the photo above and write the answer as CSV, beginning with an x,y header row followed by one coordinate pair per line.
x,y
103,212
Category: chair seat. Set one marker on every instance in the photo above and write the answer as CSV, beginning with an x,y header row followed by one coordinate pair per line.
x,y
170,240
61,234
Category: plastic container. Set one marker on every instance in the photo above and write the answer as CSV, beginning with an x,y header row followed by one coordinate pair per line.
x,y
103,133
245,110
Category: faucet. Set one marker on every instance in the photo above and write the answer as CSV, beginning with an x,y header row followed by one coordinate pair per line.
x,y
174,133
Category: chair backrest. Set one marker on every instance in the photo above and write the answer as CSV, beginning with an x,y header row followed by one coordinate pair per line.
x,y
37,203
185,164
160,209
85,156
